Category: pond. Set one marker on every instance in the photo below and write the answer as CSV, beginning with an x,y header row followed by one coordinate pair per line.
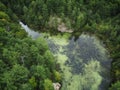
x,y
85,63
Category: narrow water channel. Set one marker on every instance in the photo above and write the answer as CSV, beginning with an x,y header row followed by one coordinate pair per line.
x,y
84,62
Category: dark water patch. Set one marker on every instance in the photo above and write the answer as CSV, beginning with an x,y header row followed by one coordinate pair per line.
x,y
84,61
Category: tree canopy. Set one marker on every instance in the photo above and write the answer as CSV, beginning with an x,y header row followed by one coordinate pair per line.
x,y
100,17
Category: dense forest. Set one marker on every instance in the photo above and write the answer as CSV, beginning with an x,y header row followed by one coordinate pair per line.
x,y
17,51
25,64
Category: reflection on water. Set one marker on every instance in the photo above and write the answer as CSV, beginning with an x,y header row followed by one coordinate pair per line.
x,y
30,32
84,62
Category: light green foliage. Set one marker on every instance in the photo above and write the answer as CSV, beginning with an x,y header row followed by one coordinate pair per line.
x,y
26,86
11,56
40,72
54,21
20,34
48,85
49,59
32,82
4,16
42,44
115,86
90,79
57,76
91,76
17,75
80,20
62,40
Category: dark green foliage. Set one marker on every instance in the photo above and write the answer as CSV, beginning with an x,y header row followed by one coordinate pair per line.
x,y
79,12
25,64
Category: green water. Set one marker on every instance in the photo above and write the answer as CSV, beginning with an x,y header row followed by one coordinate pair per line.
x,y
84,63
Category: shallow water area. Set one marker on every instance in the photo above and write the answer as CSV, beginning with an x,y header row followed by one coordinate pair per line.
x,y
84,62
